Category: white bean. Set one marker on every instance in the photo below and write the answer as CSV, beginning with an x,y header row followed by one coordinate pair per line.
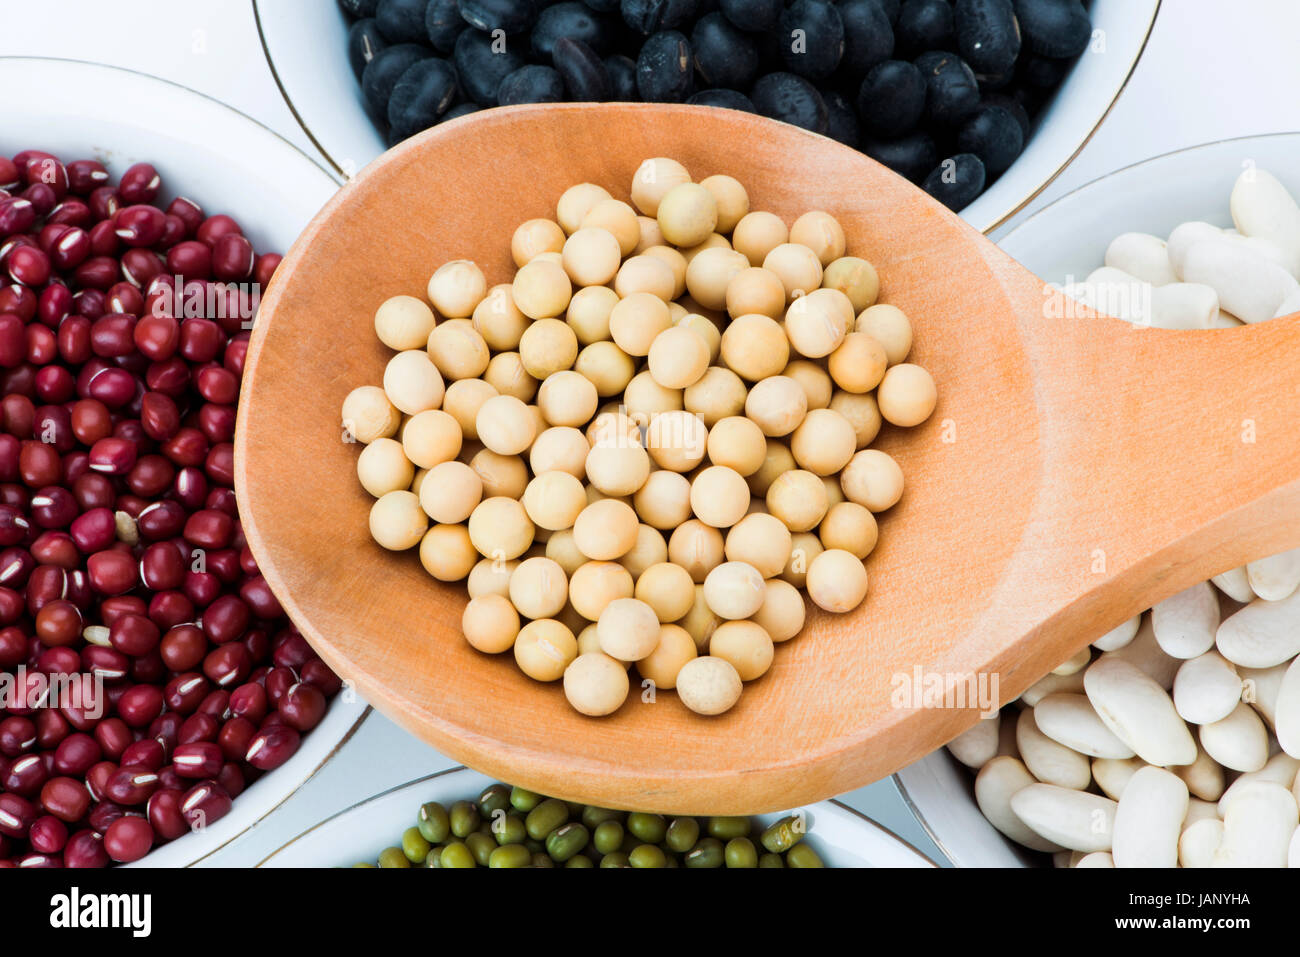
x,y
1184,237
1280,769
978,744
1239,741
1051,684
1203,777
1206,688
1263,634
1185,623
1095,859
1235,583
1286,714
1275,577
1076,662
1074,819
1115,293
1120,636
1248,285
1049,760
1258,827
1113,775
1263,208
1141,255
1149,819
1145,653
1293,851
1198,810
1261,688
1199,842
996,784
1071,720
1138,711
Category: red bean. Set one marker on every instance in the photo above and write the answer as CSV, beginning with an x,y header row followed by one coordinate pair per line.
x,y
130,786
85,849
201,759
204,804
164,813
128,839
66,798
145,753
140,705
48,835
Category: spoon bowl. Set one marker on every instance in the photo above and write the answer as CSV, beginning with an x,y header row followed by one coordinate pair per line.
x,y
1076,470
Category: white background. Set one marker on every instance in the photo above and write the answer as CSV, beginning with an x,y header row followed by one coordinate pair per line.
x,y
1213,69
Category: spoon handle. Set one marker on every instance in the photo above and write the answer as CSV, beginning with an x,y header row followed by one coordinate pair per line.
x,y
1167,456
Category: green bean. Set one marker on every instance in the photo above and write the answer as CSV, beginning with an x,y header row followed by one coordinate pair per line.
x,y
579,861
523,800
771,860
364,865
433,823
725,828
608,837
682,834
784,834
707,853
650,828
393,857
414,846
545,818
464,818
481,846
617,859
801,855
494,798
740,852
647,855
593,816
510,855
542,859
457,854
509,829
566,841
433,858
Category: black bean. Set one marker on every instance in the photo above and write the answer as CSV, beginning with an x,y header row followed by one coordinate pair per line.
x,y
752,15
575,20
813,37
422,94
443,24
652,16
952,92
724,54
584,74
957,181
910,156
600,6
791,99
728,99
1041,72
483,62
664,69
512,16
401,21
988,37
1013,106
892,8
534,83
364,41
841,120
868,39
923,25
1055,28
622,78
459,110
994,135
359,8
382,73
891,99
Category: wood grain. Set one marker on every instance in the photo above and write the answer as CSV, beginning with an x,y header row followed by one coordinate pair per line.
x,y
1076,471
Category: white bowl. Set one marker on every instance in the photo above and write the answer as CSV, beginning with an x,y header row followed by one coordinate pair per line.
x,y
306,46
841,836
1069,238
228,163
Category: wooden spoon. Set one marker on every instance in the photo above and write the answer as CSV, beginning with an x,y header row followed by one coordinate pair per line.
x,y
1076,471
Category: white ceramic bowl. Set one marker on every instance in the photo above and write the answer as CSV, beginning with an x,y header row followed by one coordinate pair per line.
x,y
841,836
227,163
1069,238
306,46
